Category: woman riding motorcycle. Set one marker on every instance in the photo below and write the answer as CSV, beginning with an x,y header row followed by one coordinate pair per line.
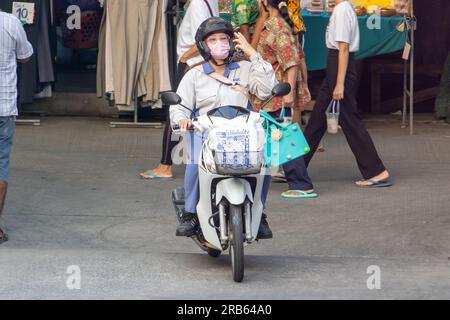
x,y
218,82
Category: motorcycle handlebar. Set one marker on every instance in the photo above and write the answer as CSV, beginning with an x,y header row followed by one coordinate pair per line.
x,y
177,128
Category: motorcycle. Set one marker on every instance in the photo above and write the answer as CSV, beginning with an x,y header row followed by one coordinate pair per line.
x,y
231,177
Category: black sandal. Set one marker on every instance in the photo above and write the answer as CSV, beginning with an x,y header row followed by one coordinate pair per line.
x,y
3,236
375,183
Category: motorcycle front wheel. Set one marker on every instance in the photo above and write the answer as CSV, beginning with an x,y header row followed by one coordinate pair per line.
x,y
236,242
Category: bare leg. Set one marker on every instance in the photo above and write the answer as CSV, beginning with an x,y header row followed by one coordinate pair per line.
x,y
164,169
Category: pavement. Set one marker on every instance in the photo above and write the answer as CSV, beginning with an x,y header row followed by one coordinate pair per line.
x,y
76,206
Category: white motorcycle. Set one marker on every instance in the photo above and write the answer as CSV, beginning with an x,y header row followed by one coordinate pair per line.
x,y
231,177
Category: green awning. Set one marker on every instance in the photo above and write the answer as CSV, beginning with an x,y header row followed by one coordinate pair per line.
x,y
389,38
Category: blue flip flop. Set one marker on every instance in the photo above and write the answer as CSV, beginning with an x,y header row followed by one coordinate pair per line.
x,y
153,176
300,194
377,184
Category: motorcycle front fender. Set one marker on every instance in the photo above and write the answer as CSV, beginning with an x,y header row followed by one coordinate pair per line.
x,y
234,190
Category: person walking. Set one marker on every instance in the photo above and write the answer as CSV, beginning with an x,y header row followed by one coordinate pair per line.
x,y
279,46
14,48
188,56
342,40
294,10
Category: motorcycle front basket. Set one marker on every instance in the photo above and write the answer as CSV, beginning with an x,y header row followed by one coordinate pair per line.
x,y
238,163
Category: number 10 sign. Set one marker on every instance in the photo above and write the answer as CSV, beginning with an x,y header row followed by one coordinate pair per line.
x,y
24,11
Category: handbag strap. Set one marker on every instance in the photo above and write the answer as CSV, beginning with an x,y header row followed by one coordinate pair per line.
x,y
270,119
224,80
283,113
209,7
334,107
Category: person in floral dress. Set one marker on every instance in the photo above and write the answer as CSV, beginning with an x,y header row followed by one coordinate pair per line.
x,y
293,17
278,44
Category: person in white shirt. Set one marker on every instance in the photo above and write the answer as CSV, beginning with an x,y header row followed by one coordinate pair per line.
x,y
14,47
188,56
197,12
342,40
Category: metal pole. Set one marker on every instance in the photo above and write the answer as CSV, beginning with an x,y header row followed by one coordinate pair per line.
x,y
29,122
405,92
136,109
411,73
136,123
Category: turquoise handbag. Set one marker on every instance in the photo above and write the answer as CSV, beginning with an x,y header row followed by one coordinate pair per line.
x,y
284,142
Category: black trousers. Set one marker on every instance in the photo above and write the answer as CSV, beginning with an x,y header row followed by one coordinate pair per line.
x,y
168,144
350,120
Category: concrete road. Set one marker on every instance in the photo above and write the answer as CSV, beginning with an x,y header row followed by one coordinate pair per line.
x,y
75,199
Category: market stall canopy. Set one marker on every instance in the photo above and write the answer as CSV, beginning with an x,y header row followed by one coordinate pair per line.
x,y
391,36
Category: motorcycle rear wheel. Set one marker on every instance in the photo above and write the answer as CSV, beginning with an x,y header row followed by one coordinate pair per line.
x,y
236,243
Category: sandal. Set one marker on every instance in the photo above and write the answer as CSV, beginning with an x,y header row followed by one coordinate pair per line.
x,y
149,175
297,194
3,236
376,184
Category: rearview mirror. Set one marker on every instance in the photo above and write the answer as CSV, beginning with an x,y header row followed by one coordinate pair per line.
x,y
170,98
281,90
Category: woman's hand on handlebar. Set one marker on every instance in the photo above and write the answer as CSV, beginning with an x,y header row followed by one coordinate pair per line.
x,y
184,125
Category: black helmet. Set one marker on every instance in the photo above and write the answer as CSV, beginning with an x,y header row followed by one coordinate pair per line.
x,y
209,27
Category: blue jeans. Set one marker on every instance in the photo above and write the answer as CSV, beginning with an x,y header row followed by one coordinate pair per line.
x,y
297,175
7,129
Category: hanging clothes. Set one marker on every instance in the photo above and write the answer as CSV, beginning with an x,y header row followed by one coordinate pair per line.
x,y
442,104
101,58
109,78
132,54
44,54
127,40
172,41
149,72
163,54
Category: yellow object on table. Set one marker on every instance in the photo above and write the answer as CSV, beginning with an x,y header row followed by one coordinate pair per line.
x,y
379,3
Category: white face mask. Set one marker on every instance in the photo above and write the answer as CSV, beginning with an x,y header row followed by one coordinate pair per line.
x,y
221,49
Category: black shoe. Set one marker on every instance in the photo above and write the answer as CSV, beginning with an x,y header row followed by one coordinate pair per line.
x,y
188,225
264,231
3,236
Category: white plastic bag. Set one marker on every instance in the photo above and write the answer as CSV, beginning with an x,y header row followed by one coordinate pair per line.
x,y
236,144
333,117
